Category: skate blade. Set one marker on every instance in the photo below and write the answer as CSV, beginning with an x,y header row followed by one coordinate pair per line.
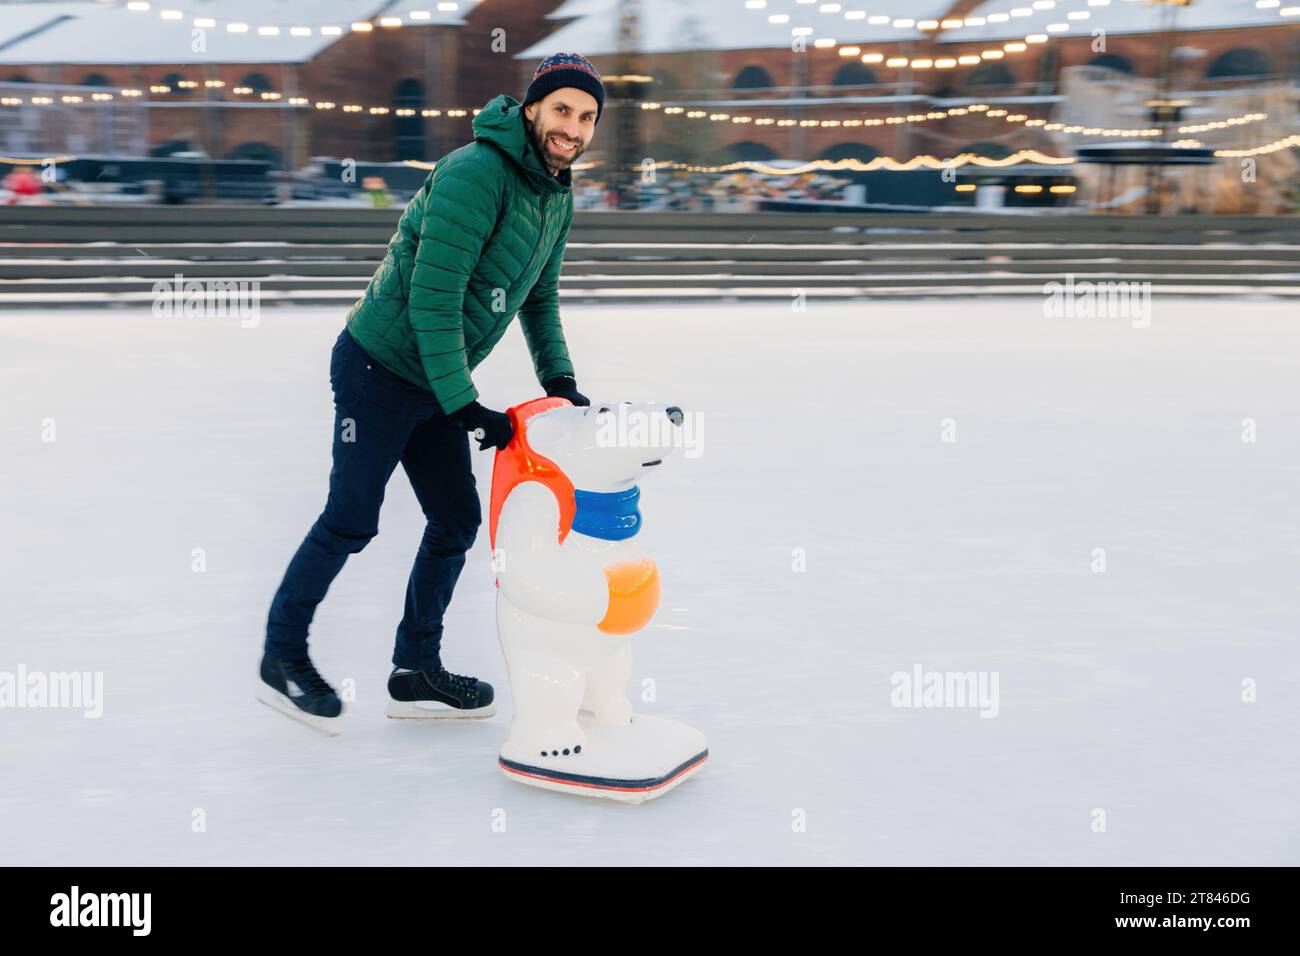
x,y
330,726
411,710
624,791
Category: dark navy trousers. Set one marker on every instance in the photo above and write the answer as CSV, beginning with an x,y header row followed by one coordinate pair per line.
x,y
380,419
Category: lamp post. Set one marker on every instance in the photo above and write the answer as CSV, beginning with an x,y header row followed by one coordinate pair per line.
x,y
625,91
1165,112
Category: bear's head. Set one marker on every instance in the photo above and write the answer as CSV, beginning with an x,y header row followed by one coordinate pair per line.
x,y
605,447
598,448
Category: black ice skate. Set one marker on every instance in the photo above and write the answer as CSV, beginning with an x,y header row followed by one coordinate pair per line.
x,y
296,689
437,695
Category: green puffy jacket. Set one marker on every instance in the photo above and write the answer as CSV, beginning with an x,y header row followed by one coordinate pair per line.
x,y
482,239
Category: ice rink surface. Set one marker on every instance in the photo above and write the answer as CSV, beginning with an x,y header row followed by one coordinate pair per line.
x,y
823,430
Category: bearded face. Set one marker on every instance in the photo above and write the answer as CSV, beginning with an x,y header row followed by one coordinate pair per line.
x,y
562,126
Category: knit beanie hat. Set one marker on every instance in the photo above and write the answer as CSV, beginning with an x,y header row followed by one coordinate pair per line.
x,y
566,69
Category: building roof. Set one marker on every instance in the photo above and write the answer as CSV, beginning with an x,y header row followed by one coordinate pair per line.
x,y
684,25
1113,16
93,33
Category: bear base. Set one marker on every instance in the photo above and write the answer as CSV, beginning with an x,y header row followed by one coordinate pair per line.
x,y
632,763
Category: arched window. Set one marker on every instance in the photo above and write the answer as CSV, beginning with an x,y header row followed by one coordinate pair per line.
x,y
987,149
95,79
854,74
752,78
990,74
858,151
259,152
171,148
1112,61
173,80
259,83
1048,68
408,131
748,151
661,152
17,78
1243,61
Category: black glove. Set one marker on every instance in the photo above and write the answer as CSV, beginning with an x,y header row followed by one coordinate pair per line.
x,y
495,426
564,386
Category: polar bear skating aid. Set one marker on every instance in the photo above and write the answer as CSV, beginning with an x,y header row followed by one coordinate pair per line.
x,y
573,586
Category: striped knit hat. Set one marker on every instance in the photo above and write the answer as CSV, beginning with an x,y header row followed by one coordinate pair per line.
x,y
566,69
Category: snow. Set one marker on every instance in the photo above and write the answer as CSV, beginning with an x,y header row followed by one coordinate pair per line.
x,y
678,25
1115,18
821,430
683,25
75,32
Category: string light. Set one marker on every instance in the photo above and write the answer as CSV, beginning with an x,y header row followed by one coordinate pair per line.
x,y
298,29
720,117
924,26
1224,124
44,161
1032,156
952,24
1027,156
1273,147
986,110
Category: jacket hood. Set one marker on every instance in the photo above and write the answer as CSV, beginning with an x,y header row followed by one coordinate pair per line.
x,y
502,123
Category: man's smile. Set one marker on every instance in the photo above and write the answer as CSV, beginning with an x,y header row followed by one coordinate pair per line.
x,y
561,146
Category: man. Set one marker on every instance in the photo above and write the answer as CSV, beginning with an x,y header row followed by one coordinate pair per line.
x,y
482,240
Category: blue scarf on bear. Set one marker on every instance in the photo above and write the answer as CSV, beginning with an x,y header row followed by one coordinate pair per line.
x,y
609,515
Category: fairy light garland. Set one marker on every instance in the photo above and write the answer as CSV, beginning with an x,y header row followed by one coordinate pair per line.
x,y
1029,156
45,161
932,26
957,111
299,29
1273,147
1288,11
880,162
947,24
696,114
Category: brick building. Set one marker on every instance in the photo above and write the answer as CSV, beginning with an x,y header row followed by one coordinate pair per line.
x,y
728,57
307,79
235,93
